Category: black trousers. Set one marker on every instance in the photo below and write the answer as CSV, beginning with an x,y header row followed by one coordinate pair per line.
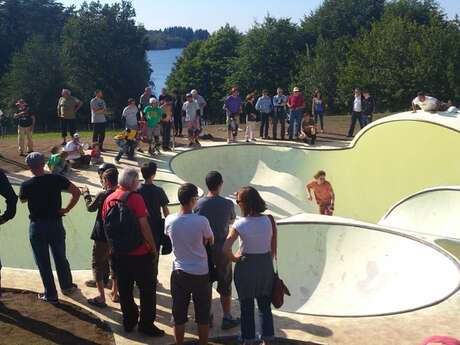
x,y
166,134
279,116
178,124
68,125
139,269
264,124
356,117
99,133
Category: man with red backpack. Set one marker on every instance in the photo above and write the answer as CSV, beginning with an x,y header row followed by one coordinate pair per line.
x,y
133,251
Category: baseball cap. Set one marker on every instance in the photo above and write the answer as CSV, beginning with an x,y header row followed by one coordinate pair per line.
x,y
35,160
194,92
153,100
76,135
188,95
296,89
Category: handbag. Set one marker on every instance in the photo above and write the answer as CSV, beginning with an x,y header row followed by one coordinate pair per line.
x,y
279,288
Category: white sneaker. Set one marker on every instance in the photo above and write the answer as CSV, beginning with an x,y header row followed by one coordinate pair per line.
x,y
228,141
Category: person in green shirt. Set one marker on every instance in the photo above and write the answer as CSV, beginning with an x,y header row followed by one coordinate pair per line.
x,y
152,115
57,163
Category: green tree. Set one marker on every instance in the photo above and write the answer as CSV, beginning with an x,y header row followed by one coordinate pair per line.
x,y
318,69
400,57
34,74
205,66
338,18
102,47
266,56
20,19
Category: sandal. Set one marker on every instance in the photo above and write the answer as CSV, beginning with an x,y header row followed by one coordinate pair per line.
x,y
115,299
95,302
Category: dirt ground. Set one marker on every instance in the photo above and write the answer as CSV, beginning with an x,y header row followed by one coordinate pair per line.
x,y
24,320
336,128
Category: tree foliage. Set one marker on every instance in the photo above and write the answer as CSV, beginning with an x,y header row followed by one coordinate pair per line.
x,y
266,56
35,75
204,65
174,37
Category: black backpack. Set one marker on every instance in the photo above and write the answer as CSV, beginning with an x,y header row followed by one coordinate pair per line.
x,y
121,227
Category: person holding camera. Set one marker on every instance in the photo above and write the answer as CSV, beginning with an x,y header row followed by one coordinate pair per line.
x,y
324,194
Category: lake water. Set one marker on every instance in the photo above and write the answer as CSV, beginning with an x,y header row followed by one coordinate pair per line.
x,y
162,62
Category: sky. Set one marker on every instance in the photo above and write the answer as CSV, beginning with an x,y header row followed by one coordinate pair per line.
x,y
212,14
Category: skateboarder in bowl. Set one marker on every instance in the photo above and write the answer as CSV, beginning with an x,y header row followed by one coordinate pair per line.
x,y
324,194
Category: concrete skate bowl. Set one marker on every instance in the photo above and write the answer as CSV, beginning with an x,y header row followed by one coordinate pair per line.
x,y
434,212
335,267
388,160
14,236
431,213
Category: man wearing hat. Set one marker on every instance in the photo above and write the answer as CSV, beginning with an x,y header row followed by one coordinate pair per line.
x,y
43,196
26,123
76,155
202,104
296,103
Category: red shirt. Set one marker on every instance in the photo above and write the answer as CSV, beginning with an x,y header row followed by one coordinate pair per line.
x,y
296,102
323,192
137,205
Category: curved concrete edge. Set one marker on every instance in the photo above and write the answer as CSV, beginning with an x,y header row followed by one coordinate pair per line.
x,y
424,235
424,191
307,218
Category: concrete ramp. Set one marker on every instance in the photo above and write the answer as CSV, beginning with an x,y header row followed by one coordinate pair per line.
x,y
338,267
433,211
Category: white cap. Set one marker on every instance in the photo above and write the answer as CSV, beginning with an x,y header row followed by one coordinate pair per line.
x,y
194,92
296,89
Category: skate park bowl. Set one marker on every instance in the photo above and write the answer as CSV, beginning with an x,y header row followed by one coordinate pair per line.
x,y
333,266
15,248
432,212
339,267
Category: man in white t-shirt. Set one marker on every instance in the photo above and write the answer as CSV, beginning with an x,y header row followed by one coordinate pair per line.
x,y
426,103
189,234
191,109
76,154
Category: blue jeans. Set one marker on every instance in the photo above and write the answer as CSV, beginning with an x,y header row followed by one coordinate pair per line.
x,y
294,123
248,324
46,234
320,115
264,124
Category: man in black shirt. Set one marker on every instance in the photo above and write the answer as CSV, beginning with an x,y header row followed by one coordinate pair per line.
x,y
11,199
43,196
26,123
177,113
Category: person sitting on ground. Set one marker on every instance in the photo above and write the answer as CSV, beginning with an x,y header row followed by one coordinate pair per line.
x,y
100,259
129,114
426,103
324,194
126,141
77,157
191,109
43,196
11,199
136,265
308,129
96,155
220,213
57,163
189,234
152,115
254,272
440,340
